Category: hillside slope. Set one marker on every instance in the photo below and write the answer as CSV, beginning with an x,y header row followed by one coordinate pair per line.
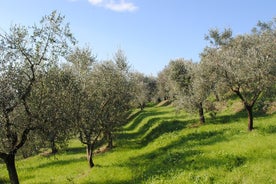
x,y
161,146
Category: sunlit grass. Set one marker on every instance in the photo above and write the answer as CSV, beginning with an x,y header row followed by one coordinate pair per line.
x,y
161,146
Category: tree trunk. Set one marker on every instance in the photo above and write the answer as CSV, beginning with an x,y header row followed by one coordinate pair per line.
x,y
110,140
10,163
249,110
217,96
89,152
201,114
53,147
142,106
249,107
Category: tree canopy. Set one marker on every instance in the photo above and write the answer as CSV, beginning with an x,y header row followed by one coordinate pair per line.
x,y
25,54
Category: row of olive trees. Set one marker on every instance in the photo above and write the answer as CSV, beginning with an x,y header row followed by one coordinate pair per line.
x,y
46,100
244,64
103,97
183,82
26,53
82,98
144,89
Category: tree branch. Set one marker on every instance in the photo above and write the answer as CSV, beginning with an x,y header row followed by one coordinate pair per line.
x,y
45,49
23,138
81,139
255,98
96,138
240,96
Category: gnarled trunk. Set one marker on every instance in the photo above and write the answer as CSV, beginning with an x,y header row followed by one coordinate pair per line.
x,y
89,152
201,114
10,164
109,140
9,158
249,107
142,106
249,110
53,147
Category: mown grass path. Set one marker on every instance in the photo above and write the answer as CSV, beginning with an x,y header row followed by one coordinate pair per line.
x,y
161,146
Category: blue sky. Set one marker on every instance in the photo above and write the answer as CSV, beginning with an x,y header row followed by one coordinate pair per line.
x,y
151,32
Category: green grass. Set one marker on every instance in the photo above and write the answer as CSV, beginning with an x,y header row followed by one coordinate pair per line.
x,y
161,146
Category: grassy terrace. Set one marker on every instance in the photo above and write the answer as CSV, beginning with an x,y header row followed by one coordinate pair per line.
x,y
161,146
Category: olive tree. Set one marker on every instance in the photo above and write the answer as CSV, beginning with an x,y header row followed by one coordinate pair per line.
x,y
191,86
151,86
88,106
25,52
54,98
139,90
245,64
144,89
112,88
197,92
165,88
121,61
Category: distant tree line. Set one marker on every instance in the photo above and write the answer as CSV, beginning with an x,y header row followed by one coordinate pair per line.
x,y
52,91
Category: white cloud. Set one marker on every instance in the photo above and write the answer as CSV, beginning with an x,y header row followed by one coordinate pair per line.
x,y
118,5
121,6
96,2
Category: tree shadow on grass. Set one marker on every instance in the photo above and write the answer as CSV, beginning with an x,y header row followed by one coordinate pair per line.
x,y
151,129
227,119
131,140
233,118
165,126
134,115
140,117
161,126
198,139
59,163
183,154
4,181
271,129
75,150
